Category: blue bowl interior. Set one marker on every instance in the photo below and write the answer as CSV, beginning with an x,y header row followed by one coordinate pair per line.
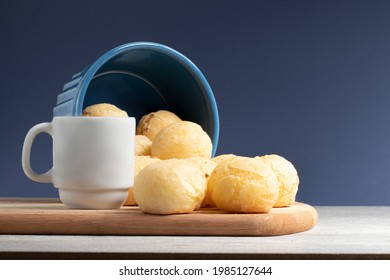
x,y
125,90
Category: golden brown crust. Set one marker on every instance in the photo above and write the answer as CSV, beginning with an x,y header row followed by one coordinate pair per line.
x,y
169,187
182,139
104,110
244,185
152,123
287,177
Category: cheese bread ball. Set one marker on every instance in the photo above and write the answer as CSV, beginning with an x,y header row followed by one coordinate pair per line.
x,y
220,160
169,187
152,123
244,185
182,139
104,110
287,176
140,163
143,146
223,158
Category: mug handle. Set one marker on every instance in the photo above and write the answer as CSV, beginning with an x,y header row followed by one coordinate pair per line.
x,y
26,163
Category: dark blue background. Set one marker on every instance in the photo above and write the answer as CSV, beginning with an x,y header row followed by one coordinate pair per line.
x,y
309,80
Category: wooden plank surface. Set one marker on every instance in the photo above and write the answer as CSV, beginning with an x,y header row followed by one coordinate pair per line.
x,y
45,216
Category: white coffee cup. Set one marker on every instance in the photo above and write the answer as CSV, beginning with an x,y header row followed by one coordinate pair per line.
x,y
93,160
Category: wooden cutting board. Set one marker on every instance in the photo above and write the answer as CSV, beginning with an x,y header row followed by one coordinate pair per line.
x,y
49,216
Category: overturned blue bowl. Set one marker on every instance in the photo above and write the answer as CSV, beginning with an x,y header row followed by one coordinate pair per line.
x,y
140,78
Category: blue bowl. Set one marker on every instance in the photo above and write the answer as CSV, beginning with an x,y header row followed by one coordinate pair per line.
x,y
140,78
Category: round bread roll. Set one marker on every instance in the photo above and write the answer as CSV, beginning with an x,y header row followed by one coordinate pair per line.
x,y
104,110
244,185
287,176
220,160
169,187
182,139
152,123
140,163
143,146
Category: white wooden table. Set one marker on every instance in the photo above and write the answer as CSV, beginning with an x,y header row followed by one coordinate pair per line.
x,y
341,233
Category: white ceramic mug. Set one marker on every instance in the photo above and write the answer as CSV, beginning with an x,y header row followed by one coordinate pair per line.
x,y
93,160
